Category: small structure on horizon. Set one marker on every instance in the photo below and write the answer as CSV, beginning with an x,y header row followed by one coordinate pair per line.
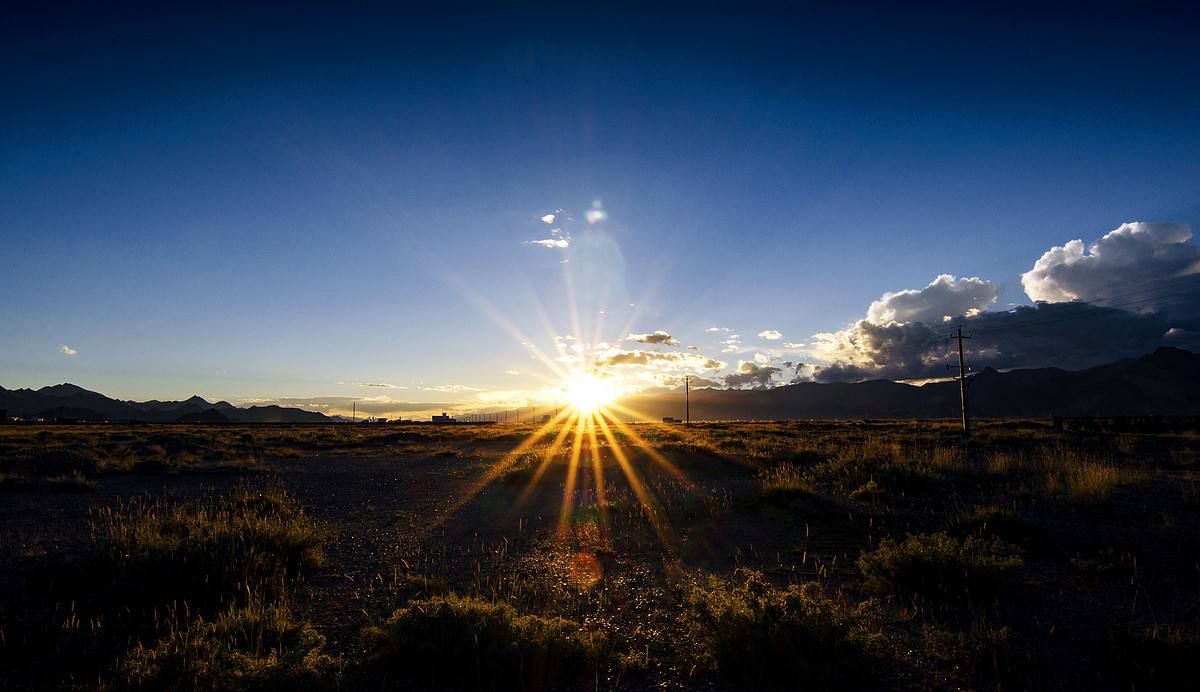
x,y
444,418
669,419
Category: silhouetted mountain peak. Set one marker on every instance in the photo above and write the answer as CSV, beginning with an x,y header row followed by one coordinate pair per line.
x,y
64,389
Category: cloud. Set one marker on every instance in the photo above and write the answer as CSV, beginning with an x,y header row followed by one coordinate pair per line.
x,y
1078,320
344,405
770,334
1068,335
801,372
512,372
67,350
558,239
718,329
380,385
548,218
694,382
657,337
944,296
1121,268
451,388
647,358
754,375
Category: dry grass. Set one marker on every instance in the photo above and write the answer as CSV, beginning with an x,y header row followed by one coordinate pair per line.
x,y
462,642
967,555
209,549
256,646
757,635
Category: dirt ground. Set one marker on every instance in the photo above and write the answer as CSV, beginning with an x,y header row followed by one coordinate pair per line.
x,y
610,541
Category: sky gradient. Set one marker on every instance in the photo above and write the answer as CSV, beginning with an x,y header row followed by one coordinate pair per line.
x,y
254,204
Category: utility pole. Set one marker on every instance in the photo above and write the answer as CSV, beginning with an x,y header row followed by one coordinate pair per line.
x,y
687,401
962,383
354,411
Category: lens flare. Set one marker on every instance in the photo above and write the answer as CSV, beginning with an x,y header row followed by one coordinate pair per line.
x,y
588,394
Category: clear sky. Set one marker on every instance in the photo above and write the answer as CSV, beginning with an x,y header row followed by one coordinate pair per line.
x,y
252,202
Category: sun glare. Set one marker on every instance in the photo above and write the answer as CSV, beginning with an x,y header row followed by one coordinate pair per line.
x,y
587,394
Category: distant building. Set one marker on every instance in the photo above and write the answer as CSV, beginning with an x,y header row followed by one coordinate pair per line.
x,y
444,418
668,419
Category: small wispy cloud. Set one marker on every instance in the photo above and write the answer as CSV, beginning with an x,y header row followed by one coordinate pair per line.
x,y
379,385
548,218
718,329
771,334
558,239
512,372
67,350
451,388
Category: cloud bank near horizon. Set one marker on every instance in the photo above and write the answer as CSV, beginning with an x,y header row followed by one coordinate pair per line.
x,y
1135,289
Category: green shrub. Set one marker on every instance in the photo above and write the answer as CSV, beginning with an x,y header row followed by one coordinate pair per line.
x,y
469,642
938,566
251,647
759,635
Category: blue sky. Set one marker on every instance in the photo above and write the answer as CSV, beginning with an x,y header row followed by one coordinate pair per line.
x,y
248,203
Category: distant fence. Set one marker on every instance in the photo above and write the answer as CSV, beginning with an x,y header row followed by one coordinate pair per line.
x,y
1147,424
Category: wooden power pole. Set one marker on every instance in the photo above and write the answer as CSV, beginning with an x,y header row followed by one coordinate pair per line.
x,y
687,401
962,383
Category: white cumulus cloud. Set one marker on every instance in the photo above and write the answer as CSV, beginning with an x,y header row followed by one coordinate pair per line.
x,y
945,296
1124,266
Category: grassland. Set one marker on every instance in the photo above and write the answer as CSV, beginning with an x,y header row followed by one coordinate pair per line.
x,y
857,555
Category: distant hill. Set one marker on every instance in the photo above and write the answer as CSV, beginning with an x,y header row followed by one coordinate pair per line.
x,y
71,402
1166,382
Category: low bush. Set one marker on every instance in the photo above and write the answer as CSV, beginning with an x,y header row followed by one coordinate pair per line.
x,y
468,642
938,566
205,551
785,480
756,634
255,646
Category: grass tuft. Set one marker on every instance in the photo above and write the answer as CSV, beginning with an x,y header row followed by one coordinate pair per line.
x,y
938,566
469,642
206,550
756,634
256,646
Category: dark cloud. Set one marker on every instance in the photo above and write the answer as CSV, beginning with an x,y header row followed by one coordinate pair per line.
x,y
691,360
751,374
374,405
656,337
675,382
1066,335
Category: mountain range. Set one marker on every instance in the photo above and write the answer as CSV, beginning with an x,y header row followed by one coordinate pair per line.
x,y
1166,382
71,402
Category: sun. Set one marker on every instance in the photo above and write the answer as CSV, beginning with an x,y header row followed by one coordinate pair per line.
x,y
587,393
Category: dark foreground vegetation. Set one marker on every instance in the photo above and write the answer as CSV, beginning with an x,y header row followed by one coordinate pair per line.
x,y
745,556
